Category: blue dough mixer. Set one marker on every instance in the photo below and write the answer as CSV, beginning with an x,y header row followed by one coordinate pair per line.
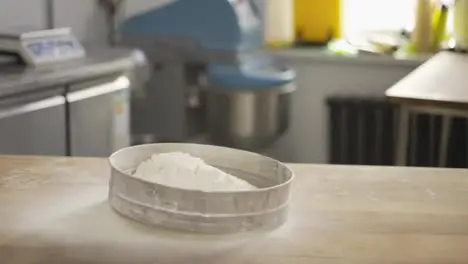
x,y
212,79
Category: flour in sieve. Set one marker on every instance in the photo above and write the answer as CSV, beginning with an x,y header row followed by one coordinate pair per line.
x,y
182,170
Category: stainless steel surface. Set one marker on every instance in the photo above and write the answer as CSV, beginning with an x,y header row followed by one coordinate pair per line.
x,y
161,109
99,117
33,124
99,62
196,211
248,120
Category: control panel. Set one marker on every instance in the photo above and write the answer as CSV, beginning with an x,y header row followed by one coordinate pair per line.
x,y
42,47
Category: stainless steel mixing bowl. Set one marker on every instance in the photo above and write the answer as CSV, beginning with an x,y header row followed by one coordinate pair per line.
x,y
198,211
248,119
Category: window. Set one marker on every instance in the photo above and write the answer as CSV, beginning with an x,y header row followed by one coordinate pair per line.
x,y
370,15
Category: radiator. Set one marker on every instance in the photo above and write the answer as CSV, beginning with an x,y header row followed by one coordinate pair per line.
x,y
363,130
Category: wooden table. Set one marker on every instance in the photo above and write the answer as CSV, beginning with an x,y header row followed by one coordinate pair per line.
x,y
439,87
54,210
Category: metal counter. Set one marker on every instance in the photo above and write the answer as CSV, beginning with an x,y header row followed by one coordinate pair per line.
x,y
80,107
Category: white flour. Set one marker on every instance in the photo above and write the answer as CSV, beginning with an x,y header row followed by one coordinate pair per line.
x,y
184,171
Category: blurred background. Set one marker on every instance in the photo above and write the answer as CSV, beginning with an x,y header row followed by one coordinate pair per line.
x,y
333,58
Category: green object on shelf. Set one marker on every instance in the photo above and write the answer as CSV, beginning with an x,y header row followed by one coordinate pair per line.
x,y
410,48
439,27
341,47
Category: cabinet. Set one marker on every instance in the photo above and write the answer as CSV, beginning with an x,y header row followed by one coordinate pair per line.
x,y
99,116
33,124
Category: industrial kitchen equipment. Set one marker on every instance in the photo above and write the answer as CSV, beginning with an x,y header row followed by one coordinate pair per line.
x,y
56,98
209,74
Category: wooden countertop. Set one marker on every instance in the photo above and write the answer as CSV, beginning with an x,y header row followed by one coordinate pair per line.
x,y
442,80
54,210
